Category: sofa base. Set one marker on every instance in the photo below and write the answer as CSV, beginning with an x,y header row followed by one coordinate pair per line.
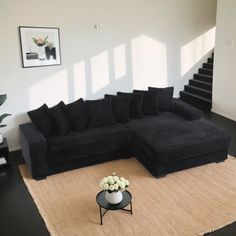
x,y
160,170
41,178
90,160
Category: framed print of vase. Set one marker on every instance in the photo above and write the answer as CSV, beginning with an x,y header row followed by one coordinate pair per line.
x,y
40,46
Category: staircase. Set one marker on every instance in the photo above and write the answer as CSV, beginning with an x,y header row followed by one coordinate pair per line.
x,y
199,90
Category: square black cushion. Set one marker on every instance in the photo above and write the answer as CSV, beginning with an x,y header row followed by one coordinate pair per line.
x,y
41,120
77,114
99,113
136,104
150,102
165,97
60,121
120,107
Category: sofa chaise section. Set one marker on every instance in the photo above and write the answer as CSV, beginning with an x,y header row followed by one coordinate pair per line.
x,y
181,145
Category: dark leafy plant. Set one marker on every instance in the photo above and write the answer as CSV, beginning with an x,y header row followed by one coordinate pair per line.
x,y
3,98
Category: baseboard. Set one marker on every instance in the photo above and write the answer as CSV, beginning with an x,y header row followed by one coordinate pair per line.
x,y
223,114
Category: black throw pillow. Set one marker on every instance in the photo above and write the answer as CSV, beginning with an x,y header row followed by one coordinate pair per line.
x,y
150,102
77,114
136,104
41,120
99,113
60,121
165,97
120,107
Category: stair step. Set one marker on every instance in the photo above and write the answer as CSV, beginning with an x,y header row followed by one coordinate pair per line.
x,y
210,60
208,65
205,71
204,78
196,100
200,84
198,91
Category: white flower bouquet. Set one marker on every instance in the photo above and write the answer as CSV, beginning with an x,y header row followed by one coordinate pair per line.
x,y
114,183
40,42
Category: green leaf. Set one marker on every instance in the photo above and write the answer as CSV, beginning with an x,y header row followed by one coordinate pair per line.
x,y
3,116
3,98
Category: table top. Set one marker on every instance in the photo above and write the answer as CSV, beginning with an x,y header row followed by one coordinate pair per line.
x,y
101,201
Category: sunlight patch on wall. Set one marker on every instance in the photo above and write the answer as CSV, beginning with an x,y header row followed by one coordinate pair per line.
x,y
149,62
120,61
99,71
50,91
80,80
194,51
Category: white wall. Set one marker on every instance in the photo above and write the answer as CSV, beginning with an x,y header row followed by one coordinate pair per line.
x,y
224,83
141,43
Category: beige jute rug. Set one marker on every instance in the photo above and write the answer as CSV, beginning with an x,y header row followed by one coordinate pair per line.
x,y
188,202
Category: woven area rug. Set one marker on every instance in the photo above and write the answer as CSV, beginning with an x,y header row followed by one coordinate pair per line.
x,y
189,202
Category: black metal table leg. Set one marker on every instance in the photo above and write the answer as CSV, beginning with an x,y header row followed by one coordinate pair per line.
x,y
102,214
100,211
131,208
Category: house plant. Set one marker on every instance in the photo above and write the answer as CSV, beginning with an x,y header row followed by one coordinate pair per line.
x,y
3,98
114,185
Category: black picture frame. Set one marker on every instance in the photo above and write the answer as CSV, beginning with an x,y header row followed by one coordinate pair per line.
x,y
40,46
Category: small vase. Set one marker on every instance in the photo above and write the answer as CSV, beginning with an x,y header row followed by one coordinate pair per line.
x,y
41,53
114,197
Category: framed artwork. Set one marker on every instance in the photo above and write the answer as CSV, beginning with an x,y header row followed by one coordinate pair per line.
x,y
40,46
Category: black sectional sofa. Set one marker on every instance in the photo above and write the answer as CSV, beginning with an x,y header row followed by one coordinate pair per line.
x,y
163,133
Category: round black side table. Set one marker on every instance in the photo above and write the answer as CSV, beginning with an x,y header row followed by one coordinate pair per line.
x,y
102,203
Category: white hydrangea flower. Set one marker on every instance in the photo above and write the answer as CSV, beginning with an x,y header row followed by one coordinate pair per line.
x,y
113,182
122,179
105,180
122,185
106,186
116,186
115,178
110,181
111,188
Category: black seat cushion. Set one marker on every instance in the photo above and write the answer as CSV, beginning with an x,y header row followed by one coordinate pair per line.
x,y
77,114
60,121
165,97
183,140
41,120
120,107
99,113
89,142
136,104
150,102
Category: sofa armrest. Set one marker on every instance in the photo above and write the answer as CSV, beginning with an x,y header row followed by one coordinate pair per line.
x,y
185,110
34,150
